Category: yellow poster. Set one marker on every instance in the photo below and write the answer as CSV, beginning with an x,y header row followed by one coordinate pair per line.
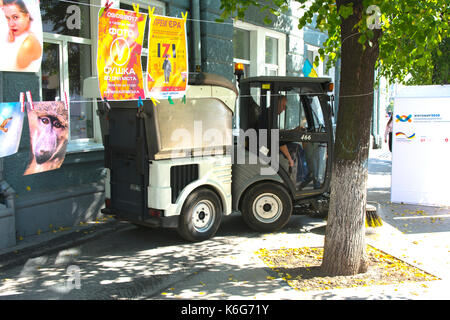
x,y
120,39
167,62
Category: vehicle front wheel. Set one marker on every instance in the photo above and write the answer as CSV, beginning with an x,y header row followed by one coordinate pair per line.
x,y
201,216
266,207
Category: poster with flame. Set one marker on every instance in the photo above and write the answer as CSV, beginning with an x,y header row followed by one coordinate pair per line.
x,y
167,62
120,39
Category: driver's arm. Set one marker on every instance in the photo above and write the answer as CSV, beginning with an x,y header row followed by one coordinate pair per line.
x,y
284,150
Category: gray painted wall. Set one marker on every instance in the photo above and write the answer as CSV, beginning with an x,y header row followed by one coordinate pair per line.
x,y
38,200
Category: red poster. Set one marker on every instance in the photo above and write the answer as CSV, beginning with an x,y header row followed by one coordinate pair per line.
x,y
120,38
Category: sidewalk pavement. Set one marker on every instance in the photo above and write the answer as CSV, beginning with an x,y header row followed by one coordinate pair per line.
x,y
425,246
50,242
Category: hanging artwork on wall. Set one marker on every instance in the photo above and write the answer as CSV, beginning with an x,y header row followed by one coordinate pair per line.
x,y
120,39
49,133
21,36
11,122
167,62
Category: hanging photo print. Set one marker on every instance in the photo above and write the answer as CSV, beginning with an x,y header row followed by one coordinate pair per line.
x,y
21,35
49,133
167,58
120,39
11,122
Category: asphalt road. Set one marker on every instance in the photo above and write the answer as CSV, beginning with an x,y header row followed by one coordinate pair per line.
x,y
133,263
139,263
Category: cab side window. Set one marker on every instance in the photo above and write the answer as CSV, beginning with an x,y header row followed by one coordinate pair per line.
x,y
319,122
294,114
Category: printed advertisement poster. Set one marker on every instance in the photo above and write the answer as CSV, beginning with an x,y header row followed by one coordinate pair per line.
x,y
421,151
120,39
168,57
21,36
11,122
49,133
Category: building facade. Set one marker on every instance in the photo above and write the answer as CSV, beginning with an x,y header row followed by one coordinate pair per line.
x,y
74,193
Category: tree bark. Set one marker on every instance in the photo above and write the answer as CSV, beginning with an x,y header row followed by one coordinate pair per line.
x,y
344,248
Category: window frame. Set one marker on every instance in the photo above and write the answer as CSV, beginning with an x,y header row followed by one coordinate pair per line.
x,y
257,61
63,42
245,62
321,68
93,143
271,66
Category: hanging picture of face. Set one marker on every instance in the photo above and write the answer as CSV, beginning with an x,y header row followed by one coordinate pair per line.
x,y
21,35
11,122
49,132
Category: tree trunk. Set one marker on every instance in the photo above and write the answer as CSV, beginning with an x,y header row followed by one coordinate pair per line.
x,y
344,249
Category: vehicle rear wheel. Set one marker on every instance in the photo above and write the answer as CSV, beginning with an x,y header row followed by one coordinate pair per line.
x,y
266,207
320,208
201,216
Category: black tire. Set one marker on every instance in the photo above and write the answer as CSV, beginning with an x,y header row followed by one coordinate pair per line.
x,y
201,216
320,208
266,207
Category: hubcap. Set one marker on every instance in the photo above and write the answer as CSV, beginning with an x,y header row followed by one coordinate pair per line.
x,y
267,207
203,216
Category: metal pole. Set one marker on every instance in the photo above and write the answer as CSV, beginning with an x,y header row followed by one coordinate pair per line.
x,y
195,6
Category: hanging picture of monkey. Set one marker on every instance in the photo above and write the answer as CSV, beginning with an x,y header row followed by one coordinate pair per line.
x,y
11,122
49,133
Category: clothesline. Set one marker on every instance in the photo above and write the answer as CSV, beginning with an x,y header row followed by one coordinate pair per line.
x,y
251,96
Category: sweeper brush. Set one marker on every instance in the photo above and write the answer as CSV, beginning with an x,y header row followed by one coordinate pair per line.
x,y
373,220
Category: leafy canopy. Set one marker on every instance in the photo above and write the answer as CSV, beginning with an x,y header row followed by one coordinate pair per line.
x,y
411,31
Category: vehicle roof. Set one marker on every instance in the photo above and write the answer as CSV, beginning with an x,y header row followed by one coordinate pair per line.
x,y
203,78
286,79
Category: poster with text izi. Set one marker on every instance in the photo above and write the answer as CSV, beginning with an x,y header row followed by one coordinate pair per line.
x,y
120,39
167,62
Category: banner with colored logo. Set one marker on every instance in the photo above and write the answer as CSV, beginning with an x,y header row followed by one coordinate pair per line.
x,y
167,62
421,146
403,118
120,39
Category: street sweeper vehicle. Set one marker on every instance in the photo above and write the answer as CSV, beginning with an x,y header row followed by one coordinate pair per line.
x,y
179,163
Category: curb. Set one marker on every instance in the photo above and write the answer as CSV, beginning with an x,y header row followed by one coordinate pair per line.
x,y
76,237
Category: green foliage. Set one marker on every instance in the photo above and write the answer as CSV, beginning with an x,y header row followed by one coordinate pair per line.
x,y
411,39
438,72
237,8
